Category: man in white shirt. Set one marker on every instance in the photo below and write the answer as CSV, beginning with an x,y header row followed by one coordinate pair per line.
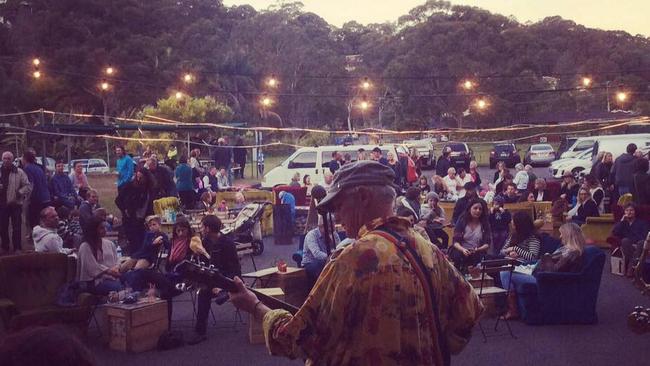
x,y
45,236
314,254
521,178
452,182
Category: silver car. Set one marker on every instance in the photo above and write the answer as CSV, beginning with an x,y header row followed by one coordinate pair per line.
x,y
539,154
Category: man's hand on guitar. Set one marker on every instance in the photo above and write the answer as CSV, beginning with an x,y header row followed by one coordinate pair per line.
x,y
244,298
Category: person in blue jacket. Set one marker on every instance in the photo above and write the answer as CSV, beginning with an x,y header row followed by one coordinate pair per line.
x,y
184,183
40,197
287,198
125,167
61,188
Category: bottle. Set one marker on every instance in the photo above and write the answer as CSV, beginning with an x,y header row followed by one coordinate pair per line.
x,y
119,252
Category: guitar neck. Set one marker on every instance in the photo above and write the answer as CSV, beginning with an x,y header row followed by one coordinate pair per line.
x,y
274,303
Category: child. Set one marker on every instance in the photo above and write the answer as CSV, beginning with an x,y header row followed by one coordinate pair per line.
x,y
69,228
500,224
153,240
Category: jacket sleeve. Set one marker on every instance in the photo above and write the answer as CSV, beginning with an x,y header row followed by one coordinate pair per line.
x,y
25,188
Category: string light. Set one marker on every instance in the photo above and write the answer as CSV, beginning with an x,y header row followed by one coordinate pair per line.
x,y
272,81
104,86
365,84
37,74
179,95
109,70
586,82
364,104
188,78
266,101
481,104
36,62
468,85
621,96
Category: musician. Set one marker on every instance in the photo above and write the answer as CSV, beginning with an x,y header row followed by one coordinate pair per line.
x,y
369,305
223,255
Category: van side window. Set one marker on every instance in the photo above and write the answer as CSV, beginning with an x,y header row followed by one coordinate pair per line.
x,y
303,160
326,158
584,145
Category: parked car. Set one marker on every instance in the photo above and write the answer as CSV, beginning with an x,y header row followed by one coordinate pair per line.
x,y
539,154
506,153
315,162
51,163
578,165
424,150
90,166
460,155
565,144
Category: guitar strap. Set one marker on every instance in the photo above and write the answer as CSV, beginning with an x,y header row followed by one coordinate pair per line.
x,y
441,353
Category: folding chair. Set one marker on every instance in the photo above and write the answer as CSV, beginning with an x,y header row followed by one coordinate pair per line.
x,y
494,268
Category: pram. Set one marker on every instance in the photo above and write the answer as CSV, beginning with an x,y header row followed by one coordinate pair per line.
x,y
246,227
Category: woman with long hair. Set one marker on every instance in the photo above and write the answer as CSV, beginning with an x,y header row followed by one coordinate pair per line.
x,y
523,242
98,262
566,258
585,207
472,235
394,164
439,187
423,184
306,182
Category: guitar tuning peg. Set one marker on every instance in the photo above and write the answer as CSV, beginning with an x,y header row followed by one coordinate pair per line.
x,y
211,266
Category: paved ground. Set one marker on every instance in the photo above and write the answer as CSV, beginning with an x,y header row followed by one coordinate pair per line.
x,y
607,343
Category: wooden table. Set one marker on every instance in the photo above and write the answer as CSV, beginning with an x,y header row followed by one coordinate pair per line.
x,y
136,327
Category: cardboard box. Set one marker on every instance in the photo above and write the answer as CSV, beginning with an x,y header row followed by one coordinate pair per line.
x,y
618,262
136,327
255,330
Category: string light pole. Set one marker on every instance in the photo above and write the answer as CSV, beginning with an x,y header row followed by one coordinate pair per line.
x,y
360,100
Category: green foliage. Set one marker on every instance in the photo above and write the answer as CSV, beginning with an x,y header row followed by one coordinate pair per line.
x,y
232,49
191,110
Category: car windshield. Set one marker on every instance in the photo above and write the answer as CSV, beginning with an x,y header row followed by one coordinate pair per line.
x,y
542,148
507,147
457,147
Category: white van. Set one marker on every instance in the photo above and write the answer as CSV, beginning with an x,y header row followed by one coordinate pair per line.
x,y
581,144
617,144
315,162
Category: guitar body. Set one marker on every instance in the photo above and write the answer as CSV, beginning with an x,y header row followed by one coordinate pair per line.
x,y
211,277
638,270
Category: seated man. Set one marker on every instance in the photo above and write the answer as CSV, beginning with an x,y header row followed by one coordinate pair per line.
x,y
87,207
154,239
287,198
61,188
45,236
205,203
511,195
222,180
315,251
223,255
632,232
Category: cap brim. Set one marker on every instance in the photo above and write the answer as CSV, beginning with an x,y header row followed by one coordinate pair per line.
x,y
325,205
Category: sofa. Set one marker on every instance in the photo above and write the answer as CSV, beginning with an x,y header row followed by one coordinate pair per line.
x,y
563,298
29,287
597,230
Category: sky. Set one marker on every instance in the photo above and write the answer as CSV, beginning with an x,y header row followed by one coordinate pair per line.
x,y
629,15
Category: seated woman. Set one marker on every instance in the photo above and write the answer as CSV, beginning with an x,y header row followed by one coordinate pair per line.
x,y
98,259
472,236
585,207
433,217
306,182
410,215
440,188
205,203
452,183
423,184
523,242
567,258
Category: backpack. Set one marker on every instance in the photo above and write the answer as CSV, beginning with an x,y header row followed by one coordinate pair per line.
x,y
69,292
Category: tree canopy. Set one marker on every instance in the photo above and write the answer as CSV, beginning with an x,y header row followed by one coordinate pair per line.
x,y
416,64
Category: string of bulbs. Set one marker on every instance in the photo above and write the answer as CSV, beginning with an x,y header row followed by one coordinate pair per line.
x,y
468,86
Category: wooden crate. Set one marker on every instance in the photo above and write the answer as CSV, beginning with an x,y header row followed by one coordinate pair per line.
x,y
293,283
255,329
136,327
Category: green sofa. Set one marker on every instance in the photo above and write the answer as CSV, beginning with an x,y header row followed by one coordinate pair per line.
x,y
29,284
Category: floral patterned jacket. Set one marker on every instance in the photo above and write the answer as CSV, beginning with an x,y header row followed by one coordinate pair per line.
x,y
368,306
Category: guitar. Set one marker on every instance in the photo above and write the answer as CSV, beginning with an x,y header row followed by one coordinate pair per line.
x,y
638,270
211,277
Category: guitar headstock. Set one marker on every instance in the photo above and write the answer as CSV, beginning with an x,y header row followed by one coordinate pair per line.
x,y
204,274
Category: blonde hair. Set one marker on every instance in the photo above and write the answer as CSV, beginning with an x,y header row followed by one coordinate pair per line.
x,y
572,237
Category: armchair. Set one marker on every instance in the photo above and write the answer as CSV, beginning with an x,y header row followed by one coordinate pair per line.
x,y
29,285
563,298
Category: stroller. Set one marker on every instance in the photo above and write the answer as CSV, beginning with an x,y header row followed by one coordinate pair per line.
x,y
246,227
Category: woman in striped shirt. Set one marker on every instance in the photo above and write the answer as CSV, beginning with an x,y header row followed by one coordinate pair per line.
x,y
523,242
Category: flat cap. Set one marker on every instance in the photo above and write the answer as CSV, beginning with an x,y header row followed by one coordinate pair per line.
x,y
360,173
